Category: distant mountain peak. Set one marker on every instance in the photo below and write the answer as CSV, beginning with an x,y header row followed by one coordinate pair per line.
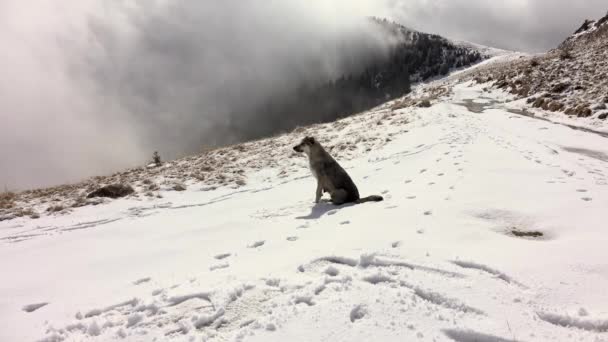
x,y
589,30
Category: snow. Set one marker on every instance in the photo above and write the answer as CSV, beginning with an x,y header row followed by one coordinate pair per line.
x,y
437,260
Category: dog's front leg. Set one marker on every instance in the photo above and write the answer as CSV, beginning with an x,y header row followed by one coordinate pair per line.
x,y
319,192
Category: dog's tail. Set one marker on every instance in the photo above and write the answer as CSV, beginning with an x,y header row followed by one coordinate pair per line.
x,y
372,198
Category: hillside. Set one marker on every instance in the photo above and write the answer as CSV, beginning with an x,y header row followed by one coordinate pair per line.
x,y
569,81
492,226
481,204
415,57
412,57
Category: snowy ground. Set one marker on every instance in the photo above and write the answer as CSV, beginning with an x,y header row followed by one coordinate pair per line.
x,y
438,260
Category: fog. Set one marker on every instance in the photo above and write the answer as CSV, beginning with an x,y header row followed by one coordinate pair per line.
x,y
520,25
92,86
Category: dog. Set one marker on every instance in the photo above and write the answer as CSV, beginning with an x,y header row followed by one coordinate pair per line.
x,y
330,176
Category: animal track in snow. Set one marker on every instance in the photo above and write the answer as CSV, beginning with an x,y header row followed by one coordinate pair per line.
x,y
222,256
344,222
472,336
292,238
487,269
33,307
411,197
423,171
599,326
257,244
357,313
141,281
219,266
587,199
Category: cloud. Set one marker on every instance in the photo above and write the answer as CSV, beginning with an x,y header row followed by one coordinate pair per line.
x,y
92,86
522,25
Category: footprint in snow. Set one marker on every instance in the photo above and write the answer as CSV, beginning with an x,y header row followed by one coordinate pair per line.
x,y
34,307
428,212
407,181
396,244
581,190
344,223
423,171
587,199
141,281
411,197
432,183
332,212
219,267
222,256
440,174
292,238
257,244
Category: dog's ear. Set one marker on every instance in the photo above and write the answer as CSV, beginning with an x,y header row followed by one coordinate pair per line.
x,y
311,140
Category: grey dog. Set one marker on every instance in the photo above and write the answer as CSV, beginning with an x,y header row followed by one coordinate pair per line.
x,y
330,176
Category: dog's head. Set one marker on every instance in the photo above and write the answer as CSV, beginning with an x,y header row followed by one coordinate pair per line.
x,y
305,145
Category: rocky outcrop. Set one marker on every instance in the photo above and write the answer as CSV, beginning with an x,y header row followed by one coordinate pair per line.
x,y
112,191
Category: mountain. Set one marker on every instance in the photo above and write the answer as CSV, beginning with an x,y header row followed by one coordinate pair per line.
x,y
492,225
570,79
492,228
413,57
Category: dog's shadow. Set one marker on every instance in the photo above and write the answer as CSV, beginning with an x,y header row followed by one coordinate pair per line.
x,y
322,208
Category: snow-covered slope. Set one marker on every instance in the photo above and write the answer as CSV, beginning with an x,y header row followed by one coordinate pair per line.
x,y
569,82
493,228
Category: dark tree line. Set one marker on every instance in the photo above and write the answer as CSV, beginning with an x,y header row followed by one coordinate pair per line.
x,y
418,57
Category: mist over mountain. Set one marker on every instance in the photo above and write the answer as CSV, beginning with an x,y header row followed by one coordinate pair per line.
x,y
93,87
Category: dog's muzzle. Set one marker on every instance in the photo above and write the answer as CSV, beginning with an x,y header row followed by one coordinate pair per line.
x,y
297,148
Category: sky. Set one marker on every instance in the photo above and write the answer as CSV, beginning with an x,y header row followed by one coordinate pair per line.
x,y
92,86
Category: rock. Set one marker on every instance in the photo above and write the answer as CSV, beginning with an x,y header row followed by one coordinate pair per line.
x,y
179,187
545,104
556,106
538,103
502,84
424,104
112,191
55,208
531,100
523,91
570,111
583,111
599,106
586,26
560,87
603,116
